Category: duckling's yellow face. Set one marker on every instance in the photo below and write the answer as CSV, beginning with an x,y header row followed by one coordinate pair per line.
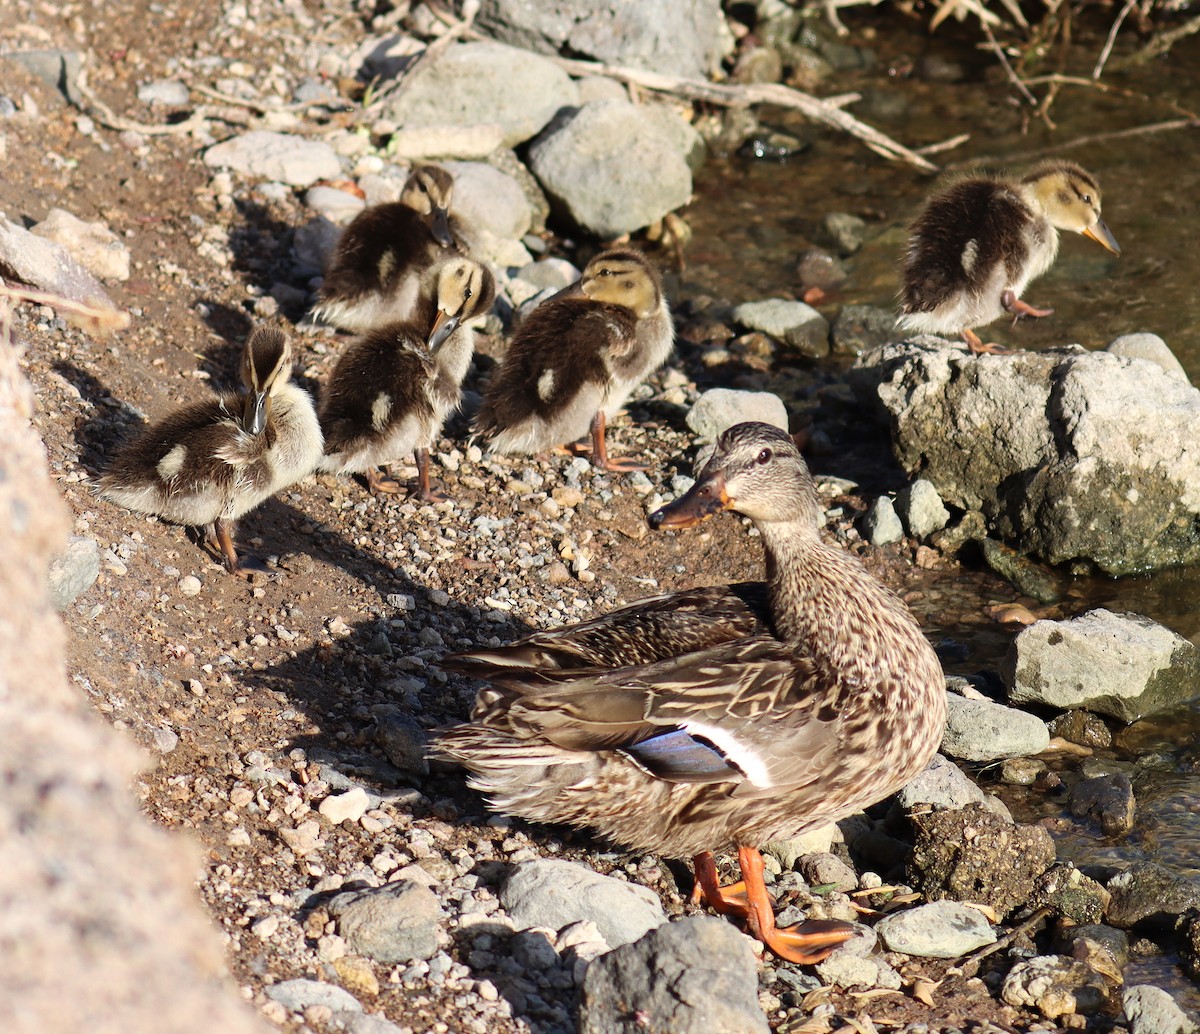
x,y
465,289
266,367
429,191
1070,197
622,278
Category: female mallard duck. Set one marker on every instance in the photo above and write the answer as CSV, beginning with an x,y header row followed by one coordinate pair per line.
x,y
754,736
575,359
210,462
375,271
979,241
391,390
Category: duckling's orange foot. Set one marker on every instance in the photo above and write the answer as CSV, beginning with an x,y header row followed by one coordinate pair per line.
x,y
1018,308
620,464
807,942
977,347
377,481
250,568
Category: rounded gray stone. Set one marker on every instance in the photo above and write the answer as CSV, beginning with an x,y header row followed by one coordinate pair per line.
x,y
943,784
718,409
921,509
73,571
611,168
1150,347
939,930
979,730
397,922
481,86
1152,1010
298,995
881,524
796,324
694,976
276,156
554,893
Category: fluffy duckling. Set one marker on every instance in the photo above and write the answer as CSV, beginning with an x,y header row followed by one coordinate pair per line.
x,y
375,271
980,240
210,462
392,389
576,358
744,735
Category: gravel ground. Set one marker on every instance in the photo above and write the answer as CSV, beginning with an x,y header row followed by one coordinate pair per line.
x,y
262,705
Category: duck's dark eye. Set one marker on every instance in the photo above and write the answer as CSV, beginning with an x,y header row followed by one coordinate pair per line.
x,y
1087,199
605,272
764,456
466,293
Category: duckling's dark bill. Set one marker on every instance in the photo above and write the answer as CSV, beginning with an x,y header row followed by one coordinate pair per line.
x,y
1101,234
704,499
254,414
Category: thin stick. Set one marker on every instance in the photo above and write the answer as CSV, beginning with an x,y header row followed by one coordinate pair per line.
x,y
1094,138
1008,69
970,965
103,114
1160,44
1112,37
945,145
744,95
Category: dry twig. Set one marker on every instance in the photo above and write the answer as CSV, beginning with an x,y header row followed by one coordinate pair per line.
x,y
1112,38
97,320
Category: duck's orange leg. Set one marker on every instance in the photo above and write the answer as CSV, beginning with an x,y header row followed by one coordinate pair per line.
x,y
803,943
977,347
600,457
728,901
1018,308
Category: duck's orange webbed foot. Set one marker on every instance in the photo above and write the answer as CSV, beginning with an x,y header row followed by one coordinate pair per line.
x,y
1018,308
729,900
978,347
804,943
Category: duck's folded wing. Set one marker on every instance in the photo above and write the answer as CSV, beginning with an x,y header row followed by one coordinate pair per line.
x,y
749,713
652,629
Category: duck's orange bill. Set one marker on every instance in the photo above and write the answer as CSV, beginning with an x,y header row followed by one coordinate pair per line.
x,y
704,499
1103,236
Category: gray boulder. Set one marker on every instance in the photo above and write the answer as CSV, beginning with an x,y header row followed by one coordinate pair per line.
x,y
943,784
694,976
979,730
859,328
921,509
1148,346
675,37
1070,454
881,524
476,87
553,893
611,167
1151,1010
1123,665
48,266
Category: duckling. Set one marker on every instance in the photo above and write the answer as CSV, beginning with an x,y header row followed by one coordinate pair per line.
x,y
391,390
212,461
708,729
979,242
375,271
576,358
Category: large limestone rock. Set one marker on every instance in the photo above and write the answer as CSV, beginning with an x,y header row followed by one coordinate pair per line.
x,y
613,167
1071,454
673,37
480,86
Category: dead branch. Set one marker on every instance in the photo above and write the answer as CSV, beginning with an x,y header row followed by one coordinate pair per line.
x,y
1160,44
745,95
97,320
1084,141
1112,38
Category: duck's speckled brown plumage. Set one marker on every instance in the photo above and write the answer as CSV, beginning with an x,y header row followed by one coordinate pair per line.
x,y
389,394
652,629
750,740
980,240
374,273
204,464
577,355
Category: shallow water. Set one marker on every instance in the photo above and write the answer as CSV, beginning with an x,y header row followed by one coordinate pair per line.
x,y
751,219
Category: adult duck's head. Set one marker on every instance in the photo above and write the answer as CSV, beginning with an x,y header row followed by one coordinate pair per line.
x,y
757,471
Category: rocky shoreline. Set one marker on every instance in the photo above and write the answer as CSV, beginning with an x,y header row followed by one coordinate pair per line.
x,y
355,887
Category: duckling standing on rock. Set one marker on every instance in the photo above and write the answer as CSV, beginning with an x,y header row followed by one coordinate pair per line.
x,y
575,359
744,737
213,461
979,241
391,390
375,272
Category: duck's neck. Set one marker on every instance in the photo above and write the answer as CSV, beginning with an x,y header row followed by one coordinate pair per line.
x,y
824,602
